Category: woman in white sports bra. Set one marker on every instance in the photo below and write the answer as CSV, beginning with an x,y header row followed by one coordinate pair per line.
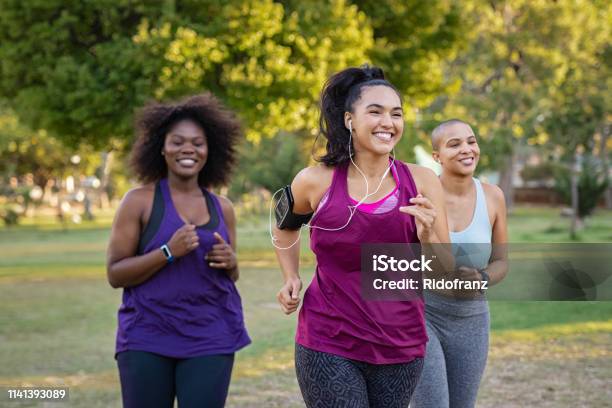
x,y
458,321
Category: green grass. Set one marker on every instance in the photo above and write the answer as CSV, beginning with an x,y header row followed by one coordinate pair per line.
x,y
58,316
530,315
543,224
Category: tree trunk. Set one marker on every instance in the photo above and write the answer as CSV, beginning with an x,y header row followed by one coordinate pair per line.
x,y
61,216
505,181
107,161
605,162
575,198
87,213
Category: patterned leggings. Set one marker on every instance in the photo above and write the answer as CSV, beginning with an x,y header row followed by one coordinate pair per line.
x,y
330,381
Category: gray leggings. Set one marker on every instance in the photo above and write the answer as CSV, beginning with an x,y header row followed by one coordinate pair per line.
x,y
456,354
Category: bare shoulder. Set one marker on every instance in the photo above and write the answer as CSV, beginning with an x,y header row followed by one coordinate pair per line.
x,y
424,178
313,175
137,204
493,192
421,171
226,205
309,186
315,178
496,202
139,196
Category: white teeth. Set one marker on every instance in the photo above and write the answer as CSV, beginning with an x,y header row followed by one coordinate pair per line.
x,y
383,135
187,162
469,160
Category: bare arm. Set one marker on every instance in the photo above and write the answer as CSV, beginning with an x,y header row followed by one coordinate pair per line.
x,y
307,188
430,187
429,211
289,260
498,266
124,267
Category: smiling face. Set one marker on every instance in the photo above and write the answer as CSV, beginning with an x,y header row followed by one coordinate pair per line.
x,y
457,149
185,149
377,120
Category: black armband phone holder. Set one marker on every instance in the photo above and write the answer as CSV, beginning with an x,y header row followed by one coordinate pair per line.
x,y
283,211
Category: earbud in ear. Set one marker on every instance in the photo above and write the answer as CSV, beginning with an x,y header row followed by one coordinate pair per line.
x,y
350,124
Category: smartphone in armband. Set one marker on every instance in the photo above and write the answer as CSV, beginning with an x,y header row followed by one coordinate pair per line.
x,y
283,212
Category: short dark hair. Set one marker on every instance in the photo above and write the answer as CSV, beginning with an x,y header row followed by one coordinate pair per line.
x,y
439,130
220,125
339,94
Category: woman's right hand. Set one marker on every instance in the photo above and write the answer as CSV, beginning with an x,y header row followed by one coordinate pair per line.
x,y
289,295
184,240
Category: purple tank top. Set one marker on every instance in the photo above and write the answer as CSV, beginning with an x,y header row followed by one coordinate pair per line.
x,y
187,308
334,318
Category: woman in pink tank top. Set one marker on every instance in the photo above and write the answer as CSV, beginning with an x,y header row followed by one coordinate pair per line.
x,y
349,351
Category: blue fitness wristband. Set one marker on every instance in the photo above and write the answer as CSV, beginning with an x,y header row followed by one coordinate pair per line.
x,y
166,251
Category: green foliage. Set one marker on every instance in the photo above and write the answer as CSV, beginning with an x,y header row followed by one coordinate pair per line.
x,y
23,151
528,63
539,172
404,150
9,215
591,186
522,71
79,69
574,113
270,164
412,41
71,68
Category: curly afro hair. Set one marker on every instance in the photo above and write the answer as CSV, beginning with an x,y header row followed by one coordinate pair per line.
x,y
220,125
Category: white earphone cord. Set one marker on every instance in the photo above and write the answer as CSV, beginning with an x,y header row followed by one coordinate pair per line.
x,y
351,208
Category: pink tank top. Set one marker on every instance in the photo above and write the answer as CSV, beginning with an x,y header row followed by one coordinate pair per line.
x,y
334,318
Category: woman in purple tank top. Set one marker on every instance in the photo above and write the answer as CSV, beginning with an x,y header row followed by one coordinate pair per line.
x,y
172,250
351,352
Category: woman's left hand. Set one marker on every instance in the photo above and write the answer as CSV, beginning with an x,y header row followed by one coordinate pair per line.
x,y
468,274
424,214
222,255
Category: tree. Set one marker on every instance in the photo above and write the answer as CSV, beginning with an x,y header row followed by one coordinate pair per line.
x,y
574,115
412,39
23,151
578,101
584,192
32,158
80,69
518,57
270,164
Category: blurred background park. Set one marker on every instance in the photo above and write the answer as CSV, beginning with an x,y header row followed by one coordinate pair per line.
x,y
531,76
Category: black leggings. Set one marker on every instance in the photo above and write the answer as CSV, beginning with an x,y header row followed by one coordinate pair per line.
x,y
329,381
149,380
